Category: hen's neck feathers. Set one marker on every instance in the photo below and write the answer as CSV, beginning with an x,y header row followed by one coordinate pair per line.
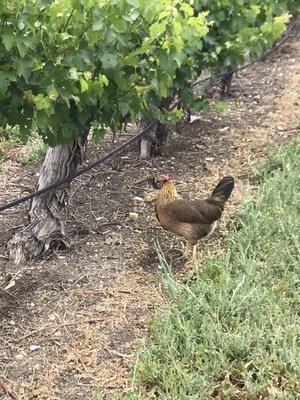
x,y
167,194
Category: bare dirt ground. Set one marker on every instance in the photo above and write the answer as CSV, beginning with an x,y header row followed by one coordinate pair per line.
x,y
74,319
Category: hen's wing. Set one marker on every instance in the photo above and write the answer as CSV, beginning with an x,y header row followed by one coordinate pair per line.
x,y
195,211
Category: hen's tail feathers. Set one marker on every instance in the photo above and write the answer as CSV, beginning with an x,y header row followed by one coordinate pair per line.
x,y
224,188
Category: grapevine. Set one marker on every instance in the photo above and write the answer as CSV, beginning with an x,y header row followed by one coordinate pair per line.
x,y
68,64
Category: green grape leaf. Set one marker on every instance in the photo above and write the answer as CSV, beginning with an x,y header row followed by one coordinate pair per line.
x,y
43,103
124,108
109,60
73,74
21,47
20,68
8,40
156,29
84,86
98,25
4,83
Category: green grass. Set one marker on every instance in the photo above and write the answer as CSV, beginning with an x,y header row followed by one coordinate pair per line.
x,y
10,137
35,156
231,329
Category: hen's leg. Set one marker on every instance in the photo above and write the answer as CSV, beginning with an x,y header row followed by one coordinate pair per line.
x,y
195,248
187,249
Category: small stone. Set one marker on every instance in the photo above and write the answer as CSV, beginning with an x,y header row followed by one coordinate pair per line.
x,y
137,198
224,129
19,356
52,317
133,216
10,285
194,118
34,347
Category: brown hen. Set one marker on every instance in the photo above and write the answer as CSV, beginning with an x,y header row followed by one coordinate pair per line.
x,y
192,219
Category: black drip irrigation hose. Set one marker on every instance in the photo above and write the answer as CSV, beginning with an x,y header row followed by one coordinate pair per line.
x,y
69,178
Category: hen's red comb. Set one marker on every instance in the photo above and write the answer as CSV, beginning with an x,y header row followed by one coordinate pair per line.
x,y
165,177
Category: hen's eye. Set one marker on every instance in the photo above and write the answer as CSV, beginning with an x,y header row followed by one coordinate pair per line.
x,y
156,183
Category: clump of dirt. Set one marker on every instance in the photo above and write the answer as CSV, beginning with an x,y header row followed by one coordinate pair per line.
x,y
72,321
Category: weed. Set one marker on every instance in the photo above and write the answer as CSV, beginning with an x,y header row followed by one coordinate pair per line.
x,y
35,156
8,138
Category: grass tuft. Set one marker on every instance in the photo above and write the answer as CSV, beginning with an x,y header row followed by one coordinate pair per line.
x,y
35,156
11,137
232,331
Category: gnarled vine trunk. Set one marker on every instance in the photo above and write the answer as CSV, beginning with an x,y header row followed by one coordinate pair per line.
x,y
46,229
225,81
153,141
